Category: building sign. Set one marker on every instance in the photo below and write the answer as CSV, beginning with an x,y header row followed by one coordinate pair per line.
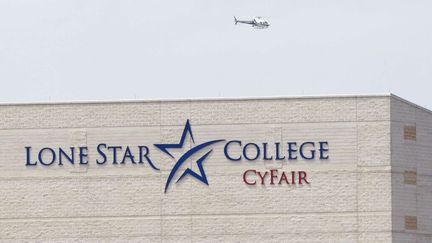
x,y
246,151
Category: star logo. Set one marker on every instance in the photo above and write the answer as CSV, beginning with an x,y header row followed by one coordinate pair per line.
x,y
201,176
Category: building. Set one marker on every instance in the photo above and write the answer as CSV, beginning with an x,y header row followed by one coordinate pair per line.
x,y
295,169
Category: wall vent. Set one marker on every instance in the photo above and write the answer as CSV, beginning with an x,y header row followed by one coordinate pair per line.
x,y
410,133
410,177
411,222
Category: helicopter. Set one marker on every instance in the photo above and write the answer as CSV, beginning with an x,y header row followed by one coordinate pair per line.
x,y
257,22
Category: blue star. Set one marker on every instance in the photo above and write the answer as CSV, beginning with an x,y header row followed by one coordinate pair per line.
x,y
201,176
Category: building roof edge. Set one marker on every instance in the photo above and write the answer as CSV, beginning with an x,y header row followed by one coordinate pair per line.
x,y
411,103
194,99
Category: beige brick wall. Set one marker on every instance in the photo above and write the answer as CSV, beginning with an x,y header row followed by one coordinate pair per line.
x,y
349,199
411,200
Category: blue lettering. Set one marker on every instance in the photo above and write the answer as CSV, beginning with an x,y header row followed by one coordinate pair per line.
x,y
114,152
128,154
265,152
278,156
226,150
322,150
292,148
145,155
101,153
28,162
83,155
312,151
245,151
41,159
62,154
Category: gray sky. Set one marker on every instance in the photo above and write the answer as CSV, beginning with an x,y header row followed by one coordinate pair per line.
x,y
98,50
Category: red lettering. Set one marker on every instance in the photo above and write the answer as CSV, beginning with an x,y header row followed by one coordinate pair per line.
x,y
262,176
283,178
245,176
302,176
273,176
